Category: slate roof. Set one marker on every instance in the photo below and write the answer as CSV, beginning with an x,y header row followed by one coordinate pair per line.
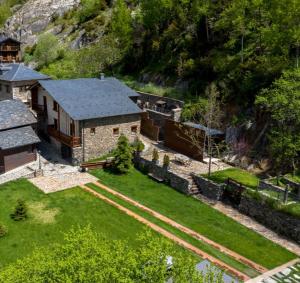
x,y
18,137
13,113
4,38
19,72
85,99
212,132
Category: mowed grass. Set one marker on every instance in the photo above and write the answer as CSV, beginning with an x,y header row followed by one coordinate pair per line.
x,y
198,216
239,175
50,216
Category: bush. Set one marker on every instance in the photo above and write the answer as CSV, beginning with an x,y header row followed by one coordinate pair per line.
x,y
3,230
138,145
123,156
166,160
20,212
155,156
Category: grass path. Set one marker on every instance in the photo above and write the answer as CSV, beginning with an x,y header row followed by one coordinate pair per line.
x,y
197,216
169,235
184,229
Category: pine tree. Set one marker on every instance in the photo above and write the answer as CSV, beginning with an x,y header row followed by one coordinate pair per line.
x,y
20,212
123,156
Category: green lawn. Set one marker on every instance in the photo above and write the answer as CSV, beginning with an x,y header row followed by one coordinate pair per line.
x,y
239,175
295,178
198,216
52,215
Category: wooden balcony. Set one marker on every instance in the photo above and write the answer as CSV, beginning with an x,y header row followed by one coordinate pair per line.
x,y
63,138
9,48
9,59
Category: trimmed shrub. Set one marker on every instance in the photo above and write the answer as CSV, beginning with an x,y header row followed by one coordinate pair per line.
x,y
123,156
155,156
166,161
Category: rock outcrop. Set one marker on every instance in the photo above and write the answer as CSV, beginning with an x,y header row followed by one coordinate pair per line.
x,y
34,17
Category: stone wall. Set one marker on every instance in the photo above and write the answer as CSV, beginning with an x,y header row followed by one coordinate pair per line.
x,y
208,188
280,222
99,135
266,185
175,181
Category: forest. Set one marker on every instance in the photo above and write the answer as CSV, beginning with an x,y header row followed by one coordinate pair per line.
x,y
249,49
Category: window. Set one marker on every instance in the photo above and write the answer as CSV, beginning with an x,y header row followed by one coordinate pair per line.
x,y
55,124
55,106
72,129
0,87
116,131
7,88
93,131
134,129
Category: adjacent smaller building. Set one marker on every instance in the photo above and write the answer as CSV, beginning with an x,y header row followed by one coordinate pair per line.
x,y
16,81
10,50
84,118
18,139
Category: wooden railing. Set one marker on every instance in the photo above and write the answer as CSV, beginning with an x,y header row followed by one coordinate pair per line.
x,y
9,58
63,138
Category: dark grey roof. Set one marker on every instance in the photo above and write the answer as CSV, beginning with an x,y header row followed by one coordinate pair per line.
x,y
211,132
19,72
18,137
14,113
85,99
4,38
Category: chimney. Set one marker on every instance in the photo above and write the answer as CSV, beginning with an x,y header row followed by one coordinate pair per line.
x,y
102,76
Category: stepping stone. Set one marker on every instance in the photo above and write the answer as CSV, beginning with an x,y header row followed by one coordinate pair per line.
x,y
286,271
269,280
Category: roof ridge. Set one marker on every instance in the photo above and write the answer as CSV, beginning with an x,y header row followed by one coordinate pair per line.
x,y
16,72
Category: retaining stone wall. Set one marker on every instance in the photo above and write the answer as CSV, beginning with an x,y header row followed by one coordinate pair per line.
x,y
177,182
208,188
282,223
265,185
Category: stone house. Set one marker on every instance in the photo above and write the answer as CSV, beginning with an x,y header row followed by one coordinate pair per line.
x,y
84,118
10,50
16,80
17,136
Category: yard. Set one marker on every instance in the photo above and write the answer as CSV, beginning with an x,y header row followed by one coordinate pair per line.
x,y
197,216
239,175
52,215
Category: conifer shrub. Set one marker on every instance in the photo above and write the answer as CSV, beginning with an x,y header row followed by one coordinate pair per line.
x,y
20,212
166,161
155,156
123,156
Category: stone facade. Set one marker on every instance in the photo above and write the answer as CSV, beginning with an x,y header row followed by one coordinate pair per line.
x,y
16,90
208,188
100,136
280,222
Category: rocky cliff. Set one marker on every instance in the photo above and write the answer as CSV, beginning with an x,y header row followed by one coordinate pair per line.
x,y
34,17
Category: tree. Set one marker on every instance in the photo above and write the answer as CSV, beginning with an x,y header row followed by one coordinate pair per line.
x,y
282,103
47,49
89,257
20,212
122,24
123,155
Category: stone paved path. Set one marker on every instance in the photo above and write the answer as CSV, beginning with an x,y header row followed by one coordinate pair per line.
x,y
254,225
55,183
170,236
184,229
287,273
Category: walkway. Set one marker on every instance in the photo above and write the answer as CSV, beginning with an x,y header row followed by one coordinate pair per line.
x,y
184,229
252,224
170,236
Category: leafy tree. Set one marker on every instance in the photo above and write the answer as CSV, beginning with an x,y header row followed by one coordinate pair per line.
x,y
20,212
47,49
123,155
4,13
88,257
121,24
282,102
90,9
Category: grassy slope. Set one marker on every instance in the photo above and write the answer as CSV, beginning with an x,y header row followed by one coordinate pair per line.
x,y
74,207
204,247
198,216
237,174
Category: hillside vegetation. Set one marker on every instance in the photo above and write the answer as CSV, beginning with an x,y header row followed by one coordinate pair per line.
x,y
248,49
